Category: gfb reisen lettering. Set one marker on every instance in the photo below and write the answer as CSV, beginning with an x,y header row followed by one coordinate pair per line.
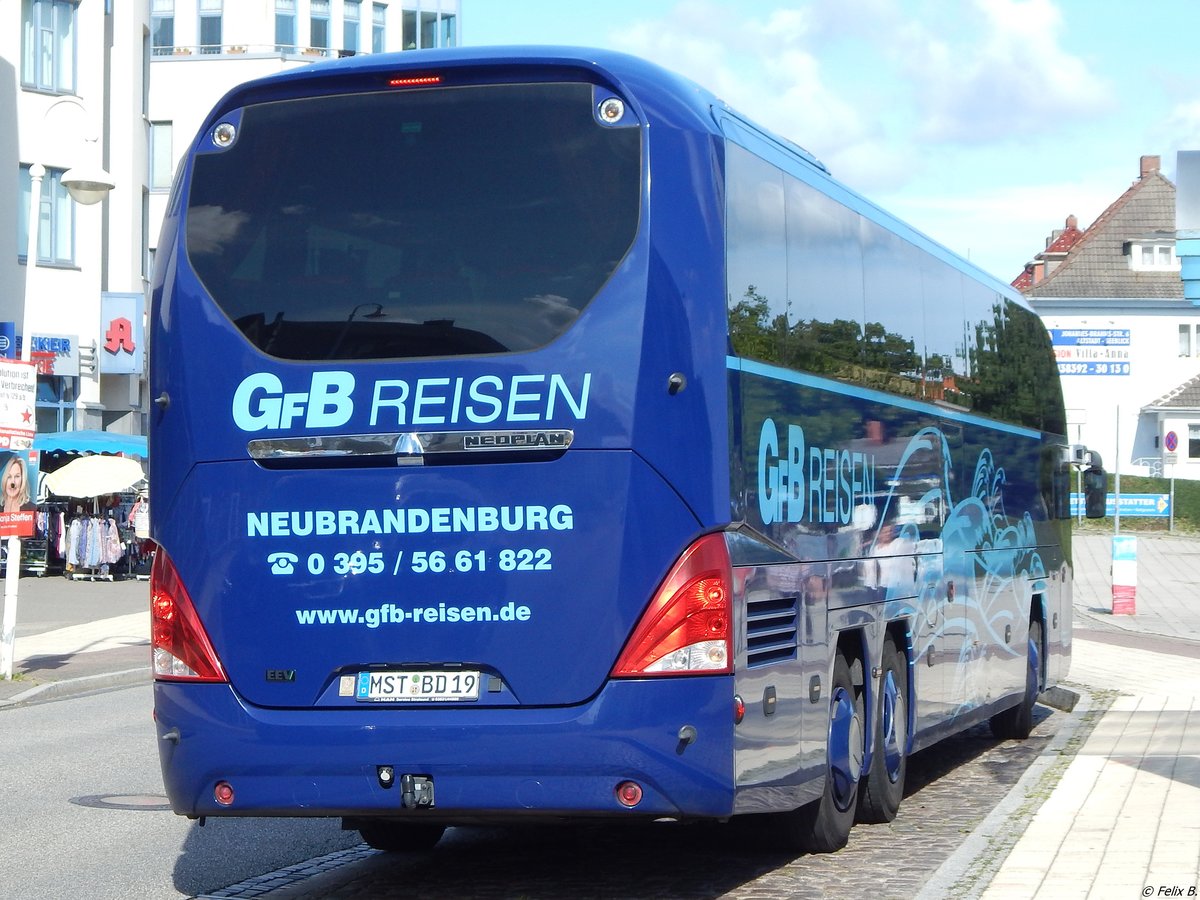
x,y
799,483
263,403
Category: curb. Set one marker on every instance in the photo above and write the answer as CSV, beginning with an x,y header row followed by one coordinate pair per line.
x,y
968,872
74,687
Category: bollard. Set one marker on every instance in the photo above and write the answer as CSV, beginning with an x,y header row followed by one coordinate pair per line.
x,y
1124,575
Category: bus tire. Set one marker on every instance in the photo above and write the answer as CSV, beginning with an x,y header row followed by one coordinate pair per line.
x,y
401,837
1017,722
824,825
883,788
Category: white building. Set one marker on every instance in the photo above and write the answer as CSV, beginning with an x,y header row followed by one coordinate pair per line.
x,y
124,86
202,48
60,62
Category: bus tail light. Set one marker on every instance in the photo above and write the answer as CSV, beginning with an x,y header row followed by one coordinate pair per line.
x,y
181,648
687,627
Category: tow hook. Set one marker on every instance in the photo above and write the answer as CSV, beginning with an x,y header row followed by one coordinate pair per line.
x,y
416,791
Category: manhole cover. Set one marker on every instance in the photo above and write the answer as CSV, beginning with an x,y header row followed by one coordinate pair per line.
x,y
150,802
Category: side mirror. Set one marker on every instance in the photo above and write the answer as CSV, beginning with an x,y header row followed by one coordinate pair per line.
x,y
1095,493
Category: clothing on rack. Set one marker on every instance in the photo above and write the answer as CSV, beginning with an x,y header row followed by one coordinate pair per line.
x,y
93,542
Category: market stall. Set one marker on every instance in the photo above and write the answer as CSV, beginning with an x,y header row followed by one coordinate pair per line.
x,y
91,483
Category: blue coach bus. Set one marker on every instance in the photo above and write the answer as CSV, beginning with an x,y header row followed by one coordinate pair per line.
x,y
534,436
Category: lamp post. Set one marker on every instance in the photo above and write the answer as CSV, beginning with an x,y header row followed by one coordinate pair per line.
x,y
87,184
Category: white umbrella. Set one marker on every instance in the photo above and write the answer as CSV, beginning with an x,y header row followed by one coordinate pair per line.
x,y
91,476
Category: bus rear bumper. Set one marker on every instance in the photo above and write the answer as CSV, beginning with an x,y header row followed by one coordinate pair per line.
x,y
484,763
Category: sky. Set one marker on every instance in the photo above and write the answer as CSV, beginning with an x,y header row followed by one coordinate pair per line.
x,y
982,123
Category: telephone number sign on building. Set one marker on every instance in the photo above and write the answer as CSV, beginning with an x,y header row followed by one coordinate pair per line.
x,y
1091,351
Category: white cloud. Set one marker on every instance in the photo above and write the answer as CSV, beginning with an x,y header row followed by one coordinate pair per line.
x,y
1001,230
764,67
1005,72
1180,130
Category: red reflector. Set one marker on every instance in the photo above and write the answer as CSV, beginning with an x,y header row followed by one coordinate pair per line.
x,y
414,80
223,793
739,710
629,793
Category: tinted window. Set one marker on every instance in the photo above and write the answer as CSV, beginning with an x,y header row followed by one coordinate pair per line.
x,y
817,287
414,223
756,258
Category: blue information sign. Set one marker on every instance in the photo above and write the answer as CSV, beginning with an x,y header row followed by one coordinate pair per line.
x,y
1144,505
1091,351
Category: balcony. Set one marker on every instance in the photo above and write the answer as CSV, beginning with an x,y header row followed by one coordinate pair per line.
x,y
208,51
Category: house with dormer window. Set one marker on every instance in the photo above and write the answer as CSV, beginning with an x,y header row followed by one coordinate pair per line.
x,y
1126,339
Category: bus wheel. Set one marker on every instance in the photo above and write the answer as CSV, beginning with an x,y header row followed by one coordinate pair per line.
x,y
883,789
824,825
401,837
1017,722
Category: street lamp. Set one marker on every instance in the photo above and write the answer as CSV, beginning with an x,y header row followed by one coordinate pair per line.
x,y
85,185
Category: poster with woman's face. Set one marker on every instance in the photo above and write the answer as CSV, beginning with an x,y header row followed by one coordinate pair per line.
x,y
18,485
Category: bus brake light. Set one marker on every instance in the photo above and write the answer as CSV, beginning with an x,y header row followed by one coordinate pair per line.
x,y
686,629
181,648
414,80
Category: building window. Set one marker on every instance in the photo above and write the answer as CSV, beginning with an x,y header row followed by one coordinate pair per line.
x,y
162,26
56,221
146,256
428,29
408,28
449,31
1194,442
55,402
210,26
1153,256
285,25
1185,340
350,16
378,16
161,161
48,45
318,29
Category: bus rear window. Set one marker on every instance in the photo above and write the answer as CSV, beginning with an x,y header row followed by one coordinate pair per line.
x,y
436,222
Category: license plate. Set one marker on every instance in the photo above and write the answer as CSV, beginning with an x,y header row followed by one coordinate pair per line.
x,y
410,687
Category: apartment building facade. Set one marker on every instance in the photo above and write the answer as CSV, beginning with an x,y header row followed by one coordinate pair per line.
x,y
120,88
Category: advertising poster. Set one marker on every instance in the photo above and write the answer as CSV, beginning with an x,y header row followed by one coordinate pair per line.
x,y
18,386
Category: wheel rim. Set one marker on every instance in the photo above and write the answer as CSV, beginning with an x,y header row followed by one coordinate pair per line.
x,y
895,726
845,747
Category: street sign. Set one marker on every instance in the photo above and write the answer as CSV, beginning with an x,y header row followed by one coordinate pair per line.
x,y
1152,506
1171,441
1170,459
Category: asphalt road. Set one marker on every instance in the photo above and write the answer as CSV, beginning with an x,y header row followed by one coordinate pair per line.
x,y
84,807
84,814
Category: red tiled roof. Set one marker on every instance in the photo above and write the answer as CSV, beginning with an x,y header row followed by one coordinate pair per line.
x,y
1065,241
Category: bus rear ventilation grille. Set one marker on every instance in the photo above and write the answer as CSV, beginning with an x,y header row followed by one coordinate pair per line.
x,y
770,631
